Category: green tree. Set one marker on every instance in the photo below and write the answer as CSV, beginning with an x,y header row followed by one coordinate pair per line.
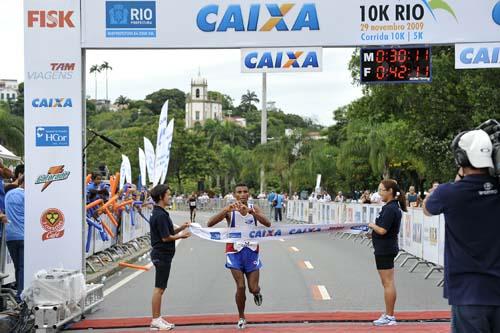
x,y
106,67
248,99
94,69
176,99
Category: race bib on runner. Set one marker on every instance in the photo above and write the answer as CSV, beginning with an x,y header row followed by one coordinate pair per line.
x,y
192,203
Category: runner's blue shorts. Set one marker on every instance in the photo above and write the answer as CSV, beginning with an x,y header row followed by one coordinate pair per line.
x,y
245,261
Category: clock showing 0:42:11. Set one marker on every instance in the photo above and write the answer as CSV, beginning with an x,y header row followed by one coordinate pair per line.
x,y
396,65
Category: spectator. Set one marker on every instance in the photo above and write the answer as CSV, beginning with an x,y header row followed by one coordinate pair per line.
x,y
471,208
375,198
270,200
14,203
18,172
340,197
295,196
95,189
412,198
365,197
327,197
278,207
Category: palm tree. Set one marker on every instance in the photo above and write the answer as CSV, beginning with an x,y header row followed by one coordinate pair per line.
x,y
122,101
105,66
248,99
95,69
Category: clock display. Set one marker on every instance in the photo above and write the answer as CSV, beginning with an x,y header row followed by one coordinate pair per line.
x,y
396,65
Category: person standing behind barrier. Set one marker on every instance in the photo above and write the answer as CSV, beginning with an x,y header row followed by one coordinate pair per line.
x,y
270,199
278,208
192,206
385,242
163,237
471,208
14,207
412,198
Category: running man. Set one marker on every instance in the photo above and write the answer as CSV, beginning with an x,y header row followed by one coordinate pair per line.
x,y
192,206
242,258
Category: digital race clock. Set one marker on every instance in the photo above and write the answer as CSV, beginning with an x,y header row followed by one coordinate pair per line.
x,y
396,65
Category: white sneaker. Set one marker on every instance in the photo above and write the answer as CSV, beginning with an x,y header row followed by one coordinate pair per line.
x,y
242,324
160,324
385,320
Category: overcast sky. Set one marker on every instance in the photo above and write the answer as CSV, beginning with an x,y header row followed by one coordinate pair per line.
x,y
138,73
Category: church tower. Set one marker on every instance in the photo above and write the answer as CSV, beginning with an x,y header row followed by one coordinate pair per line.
x,y
199,107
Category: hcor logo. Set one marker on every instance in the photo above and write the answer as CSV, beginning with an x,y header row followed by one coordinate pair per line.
x,y
211,18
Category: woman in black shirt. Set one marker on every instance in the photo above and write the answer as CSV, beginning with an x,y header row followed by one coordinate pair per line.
x,y
163,237
385,242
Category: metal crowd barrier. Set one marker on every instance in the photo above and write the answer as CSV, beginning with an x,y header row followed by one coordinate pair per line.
x,y
421,238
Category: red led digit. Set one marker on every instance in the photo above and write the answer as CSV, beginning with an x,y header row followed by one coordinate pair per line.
x,y
380,72
402,72
379,58
402,56
394,56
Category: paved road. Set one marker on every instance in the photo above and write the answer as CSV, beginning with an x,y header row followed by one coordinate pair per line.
x,y
339,275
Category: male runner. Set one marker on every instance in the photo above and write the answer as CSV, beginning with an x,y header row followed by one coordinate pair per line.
x,y
192,206
242,258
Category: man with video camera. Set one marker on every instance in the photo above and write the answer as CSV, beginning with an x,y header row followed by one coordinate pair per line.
x,y
471,206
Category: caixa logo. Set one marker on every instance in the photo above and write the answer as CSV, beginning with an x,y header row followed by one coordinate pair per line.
x,y
282,60
53,103
52,136
257,17
50,19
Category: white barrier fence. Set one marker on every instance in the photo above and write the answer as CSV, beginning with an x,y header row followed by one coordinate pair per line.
x,y
420,236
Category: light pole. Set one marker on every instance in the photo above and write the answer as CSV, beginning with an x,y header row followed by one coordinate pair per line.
x,y
263,127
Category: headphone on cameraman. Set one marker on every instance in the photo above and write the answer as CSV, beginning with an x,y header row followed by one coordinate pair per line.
x,y
460,155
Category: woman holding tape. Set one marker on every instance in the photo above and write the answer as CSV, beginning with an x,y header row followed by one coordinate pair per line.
x,y
385,242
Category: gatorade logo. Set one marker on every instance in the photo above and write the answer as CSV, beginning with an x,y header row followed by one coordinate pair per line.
x,y
264,18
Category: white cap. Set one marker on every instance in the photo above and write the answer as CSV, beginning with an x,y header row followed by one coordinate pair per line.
x,y
479,149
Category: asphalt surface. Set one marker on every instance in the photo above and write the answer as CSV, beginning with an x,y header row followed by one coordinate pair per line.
x,y
200,284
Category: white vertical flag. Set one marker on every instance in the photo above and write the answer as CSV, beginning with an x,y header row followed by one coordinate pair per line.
x,y
150,159
160,142
142,166
167,146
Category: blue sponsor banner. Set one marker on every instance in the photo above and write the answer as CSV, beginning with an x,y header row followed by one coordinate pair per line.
x,y
236,235
52,136
125,19
215,235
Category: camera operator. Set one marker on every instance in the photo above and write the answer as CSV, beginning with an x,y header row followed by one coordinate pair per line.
x,y
471,206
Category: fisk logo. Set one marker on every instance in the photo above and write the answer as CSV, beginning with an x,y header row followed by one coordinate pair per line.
x,y
53,136
211,18
56,71
52,103
282,60
50,19
54,174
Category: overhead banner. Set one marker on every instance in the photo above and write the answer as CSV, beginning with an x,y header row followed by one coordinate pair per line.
x,y
149,150
53,137
474,56
284,60
252,234
271,23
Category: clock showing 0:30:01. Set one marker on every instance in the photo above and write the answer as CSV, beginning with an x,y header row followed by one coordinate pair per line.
x,y
396,65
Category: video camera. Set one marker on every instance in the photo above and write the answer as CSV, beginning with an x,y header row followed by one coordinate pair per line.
x,y
492,127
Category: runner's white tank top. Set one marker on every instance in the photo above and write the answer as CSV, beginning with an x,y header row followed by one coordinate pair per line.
x,y
243,222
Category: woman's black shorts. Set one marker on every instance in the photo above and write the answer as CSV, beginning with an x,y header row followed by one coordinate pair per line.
x,y
385,261
162,269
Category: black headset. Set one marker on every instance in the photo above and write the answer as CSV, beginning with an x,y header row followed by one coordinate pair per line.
x,y
460,155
